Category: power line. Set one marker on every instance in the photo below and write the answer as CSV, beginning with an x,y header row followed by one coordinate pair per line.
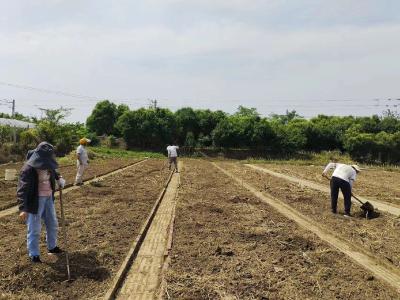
x,y
25,87
269,103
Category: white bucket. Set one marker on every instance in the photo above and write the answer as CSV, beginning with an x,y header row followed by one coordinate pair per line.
x,y
10,174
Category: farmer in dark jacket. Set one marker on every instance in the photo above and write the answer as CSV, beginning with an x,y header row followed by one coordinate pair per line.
x,y
35,196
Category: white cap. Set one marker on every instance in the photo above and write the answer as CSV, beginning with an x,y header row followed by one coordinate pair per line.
x,y
357,168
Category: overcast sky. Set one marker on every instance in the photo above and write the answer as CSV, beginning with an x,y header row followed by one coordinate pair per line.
x,y
272,54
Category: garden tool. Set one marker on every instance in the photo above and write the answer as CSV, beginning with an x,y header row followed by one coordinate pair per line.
x,y
367,207
64,229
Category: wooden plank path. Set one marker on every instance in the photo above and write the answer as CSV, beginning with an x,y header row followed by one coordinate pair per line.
x,y
144,277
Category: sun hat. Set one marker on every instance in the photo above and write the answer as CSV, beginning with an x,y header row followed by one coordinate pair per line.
x,y
29,154
42,157
356,167
84,141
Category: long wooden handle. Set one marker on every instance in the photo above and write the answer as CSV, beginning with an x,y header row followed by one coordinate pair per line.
x,y
64,229
357,199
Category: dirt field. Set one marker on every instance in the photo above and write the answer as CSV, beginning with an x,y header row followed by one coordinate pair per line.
x,y
17,166
97,168
103,219
379,235
229,245
375,184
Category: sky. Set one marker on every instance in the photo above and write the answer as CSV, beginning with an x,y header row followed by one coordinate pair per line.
x,y
315,56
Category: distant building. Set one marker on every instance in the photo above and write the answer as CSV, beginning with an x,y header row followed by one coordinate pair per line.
x,y
16,123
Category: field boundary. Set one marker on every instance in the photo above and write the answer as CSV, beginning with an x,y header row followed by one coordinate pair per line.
x,y
134,250
381,205
70,187
361,256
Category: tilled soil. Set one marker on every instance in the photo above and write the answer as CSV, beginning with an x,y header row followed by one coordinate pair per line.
x,y
17,166
103,221
229,245
96,168
375,184
379,235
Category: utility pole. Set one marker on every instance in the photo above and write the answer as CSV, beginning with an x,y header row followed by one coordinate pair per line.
x,y
13,108
13,116
153,104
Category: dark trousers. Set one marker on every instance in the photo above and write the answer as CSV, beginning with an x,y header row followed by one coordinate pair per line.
x,y
173,160
344,186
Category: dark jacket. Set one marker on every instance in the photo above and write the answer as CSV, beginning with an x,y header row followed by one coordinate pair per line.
x,y
28,188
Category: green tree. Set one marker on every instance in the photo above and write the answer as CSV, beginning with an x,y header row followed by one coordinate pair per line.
x,y
147,128
103,118
186,121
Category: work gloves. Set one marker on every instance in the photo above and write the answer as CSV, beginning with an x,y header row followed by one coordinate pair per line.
x,y
61,183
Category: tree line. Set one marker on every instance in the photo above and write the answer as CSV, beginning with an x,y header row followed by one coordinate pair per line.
x,y
369,139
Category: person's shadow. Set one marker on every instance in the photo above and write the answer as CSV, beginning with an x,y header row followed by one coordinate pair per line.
x,y
82,265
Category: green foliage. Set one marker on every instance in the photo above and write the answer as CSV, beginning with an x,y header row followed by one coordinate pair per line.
x,y
5,134
120,153
365,138
103,117
17,116
381,147
147,128
190,140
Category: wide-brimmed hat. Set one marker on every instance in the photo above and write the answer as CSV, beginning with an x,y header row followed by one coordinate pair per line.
x,y
357,168
29,154
84,141
43,157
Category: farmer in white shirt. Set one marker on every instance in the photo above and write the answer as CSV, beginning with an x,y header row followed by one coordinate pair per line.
x,y
82,160
173,156
343,178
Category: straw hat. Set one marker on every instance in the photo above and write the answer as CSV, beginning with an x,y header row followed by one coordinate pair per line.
x,y
356,167
84,141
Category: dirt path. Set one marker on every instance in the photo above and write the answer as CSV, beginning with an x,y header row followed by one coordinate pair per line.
x,y
381,205
14,209
364,258
144,277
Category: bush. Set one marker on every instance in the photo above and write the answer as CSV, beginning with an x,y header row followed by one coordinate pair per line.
x,y
381,147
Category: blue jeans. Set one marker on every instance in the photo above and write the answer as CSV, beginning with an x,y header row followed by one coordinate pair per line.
x,y
47,212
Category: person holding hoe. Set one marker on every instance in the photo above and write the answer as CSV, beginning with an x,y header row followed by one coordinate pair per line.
x,y
342,178
35,197
173,156
82,160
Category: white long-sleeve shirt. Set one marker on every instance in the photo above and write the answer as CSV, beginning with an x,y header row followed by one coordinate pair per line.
x,y
342,171
172,151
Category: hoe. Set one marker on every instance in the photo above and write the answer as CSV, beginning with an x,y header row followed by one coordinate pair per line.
x,y
367,207
65,236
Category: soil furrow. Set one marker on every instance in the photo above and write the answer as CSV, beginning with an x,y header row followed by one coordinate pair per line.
x,y
378,236
380,205
97,168
230,245
376,184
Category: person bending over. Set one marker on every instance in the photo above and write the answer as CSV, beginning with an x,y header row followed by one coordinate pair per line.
x,y
342,178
